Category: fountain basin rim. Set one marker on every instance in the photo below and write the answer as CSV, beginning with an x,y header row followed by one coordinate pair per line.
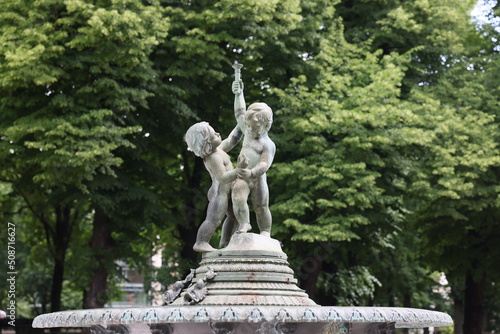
x,y
402,317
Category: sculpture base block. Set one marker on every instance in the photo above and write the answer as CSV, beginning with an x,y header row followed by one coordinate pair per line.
x,y
252,241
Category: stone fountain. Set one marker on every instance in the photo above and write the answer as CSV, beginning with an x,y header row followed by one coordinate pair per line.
x,y
246,286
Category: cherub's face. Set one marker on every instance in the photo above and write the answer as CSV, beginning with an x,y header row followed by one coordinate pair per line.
x,y
255,127
214,138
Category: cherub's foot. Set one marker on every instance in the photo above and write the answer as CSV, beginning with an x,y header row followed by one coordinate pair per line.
x,y
203,247
265,233
244,228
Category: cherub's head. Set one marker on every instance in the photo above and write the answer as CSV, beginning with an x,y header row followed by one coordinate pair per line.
x,y
202,139
259,118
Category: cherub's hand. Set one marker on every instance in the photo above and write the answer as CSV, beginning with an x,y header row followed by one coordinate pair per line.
x,y
238,87
243,161
245,174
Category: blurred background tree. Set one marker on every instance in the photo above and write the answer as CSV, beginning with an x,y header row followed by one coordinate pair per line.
x,y
74,75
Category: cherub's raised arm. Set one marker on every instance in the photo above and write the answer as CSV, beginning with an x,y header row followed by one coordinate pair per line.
x,y
239,104
232,140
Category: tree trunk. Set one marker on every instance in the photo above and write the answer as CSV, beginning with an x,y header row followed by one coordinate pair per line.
x,y
62,236
187,254
458,315
474,304
102,244
57,284
309,274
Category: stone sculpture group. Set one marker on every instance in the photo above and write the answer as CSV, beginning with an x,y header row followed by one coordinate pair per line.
x,y
231,187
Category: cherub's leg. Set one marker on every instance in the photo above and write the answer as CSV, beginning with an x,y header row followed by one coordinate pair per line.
x,y
239,195
215,212
260,204
228,227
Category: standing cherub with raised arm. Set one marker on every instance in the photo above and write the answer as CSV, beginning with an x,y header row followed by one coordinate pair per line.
x,y
202,139
259,150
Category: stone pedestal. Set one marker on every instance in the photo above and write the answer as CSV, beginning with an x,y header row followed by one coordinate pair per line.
x,y
251,270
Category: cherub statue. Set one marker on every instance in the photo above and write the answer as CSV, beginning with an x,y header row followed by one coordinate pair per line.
x,y
202,139
260,150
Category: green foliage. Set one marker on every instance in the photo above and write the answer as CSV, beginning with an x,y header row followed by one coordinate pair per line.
x,y
459,218
353,286
386,122
72,72
76,77
371,146
347,131
435,31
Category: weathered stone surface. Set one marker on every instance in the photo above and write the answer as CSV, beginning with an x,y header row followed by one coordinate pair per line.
x,y
331,316
254,290
251,270
252,241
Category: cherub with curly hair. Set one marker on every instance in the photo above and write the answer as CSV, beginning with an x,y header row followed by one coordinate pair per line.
x,y
202,139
